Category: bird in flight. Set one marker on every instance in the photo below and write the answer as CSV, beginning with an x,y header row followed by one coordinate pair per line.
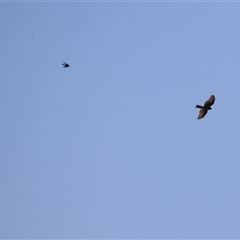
x,y
207,106
65,65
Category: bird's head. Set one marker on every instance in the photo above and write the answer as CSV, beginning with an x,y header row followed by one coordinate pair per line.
x,y
212,96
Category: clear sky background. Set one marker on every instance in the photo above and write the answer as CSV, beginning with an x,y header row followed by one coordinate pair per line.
x,y
111,147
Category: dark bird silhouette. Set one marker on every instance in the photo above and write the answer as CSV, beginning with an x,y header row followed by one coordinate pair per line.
x,y
207,106
65,65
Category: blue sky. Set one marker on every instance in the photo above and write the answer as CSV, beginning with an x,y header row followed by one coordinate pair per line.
x,y
111,147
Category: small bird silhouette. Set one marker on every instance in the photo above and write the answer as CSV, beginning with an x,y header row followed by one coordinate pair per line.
x,y
207,106
65,65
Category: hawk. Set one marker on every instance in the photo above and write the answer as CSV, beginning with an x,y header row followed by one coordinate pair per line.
x,y
65,65
207,106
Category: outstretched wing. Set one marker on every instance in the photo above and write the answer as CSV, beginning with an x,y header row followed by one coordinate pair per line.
x,y
202,113
209,102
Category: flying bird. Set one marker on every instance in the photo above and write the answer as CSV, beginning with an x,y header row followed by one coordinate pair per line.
x,y
207,106
65,65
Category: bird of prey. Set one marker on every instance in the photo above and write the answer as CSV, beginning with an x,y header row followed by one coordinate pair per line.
x,y
207,106
65,65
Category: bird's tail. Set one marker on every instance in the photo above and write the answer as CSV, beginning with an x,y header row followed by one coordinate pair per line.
x,y
198,106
